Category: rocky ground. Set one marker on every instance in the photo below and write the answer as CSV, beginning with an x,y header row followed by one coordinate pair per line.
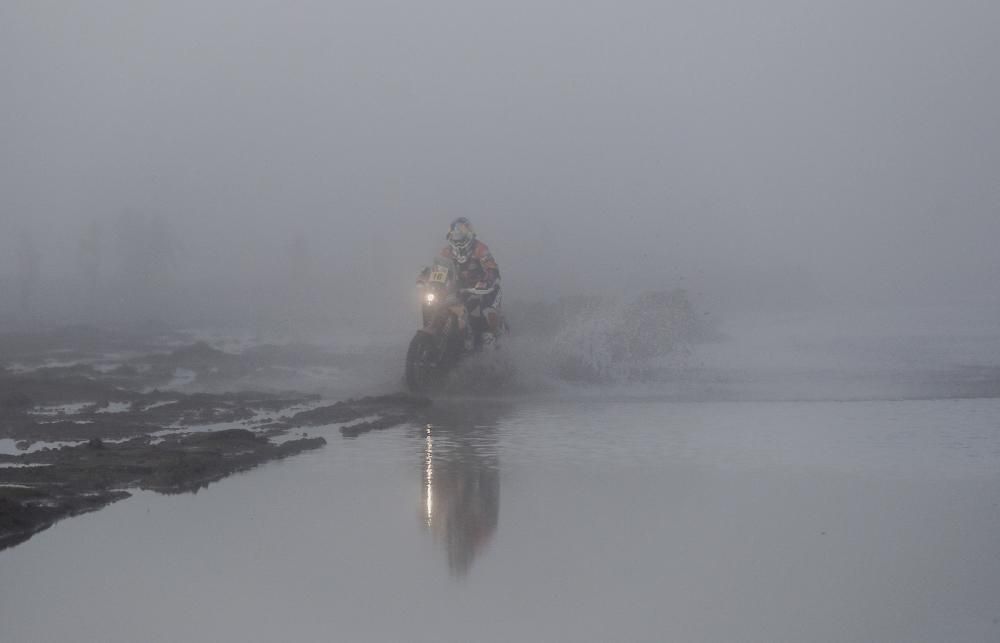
x,y
87,415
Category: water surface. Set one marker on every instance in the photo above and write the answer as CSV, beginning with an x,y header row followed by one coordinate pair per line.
x,y
568,520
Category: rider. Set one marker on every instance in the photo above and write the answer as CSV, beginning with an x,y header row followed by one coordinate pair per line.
x,y
476,269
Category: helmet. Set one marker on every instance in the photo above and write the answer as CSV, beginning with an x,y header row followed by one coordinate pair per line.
x,y
461,237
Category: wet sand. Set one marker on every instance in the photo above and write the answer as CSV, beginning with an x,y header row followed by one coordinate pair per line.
x,y
88,416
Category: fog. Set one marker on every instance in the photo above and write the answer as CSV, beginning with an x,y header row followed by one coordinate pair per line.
x,y
241,162
749,260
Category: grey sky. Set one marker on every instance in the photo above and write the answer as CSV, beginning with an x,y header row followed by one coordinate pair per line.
x,y
833,145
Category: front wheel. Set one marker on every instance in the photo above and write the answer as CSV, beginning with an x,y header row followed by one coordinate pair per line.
x,y
421,363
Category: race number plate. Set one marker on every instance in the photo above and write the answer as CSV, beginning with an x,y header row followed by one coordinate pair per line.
x,y
439,276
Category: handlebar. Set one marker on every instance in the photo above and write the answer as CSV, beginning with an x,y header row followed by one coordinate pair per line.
x,y
478,291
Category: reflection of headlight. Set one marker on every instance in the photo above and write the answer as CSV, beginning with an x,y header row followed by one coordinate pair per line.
x,y
429,476
429,298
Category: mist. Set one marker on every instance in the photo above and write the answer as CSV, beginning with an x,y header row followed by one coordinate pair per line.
x,y
253,160
746,380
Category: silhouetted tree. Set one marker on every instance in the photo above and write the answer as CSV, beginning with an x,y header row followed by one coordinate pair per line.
x,y
28,271
146,254
89,252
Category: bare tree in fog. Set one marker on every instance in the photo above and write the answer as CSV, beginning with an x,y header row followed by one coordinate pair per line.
x,y
147,258
163,248
28,272
298,289
89,255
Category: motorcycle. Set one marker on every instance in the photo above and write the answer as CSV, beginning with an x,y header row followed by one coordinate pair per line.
x,y
447,335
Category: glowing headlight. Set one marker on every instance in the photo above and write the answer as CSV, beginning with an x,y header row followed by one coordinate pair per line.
x,y
429,298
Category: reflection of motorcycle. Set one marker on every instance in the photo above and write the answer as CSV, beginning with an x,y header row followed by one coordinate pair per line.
x,y
461,481
448,332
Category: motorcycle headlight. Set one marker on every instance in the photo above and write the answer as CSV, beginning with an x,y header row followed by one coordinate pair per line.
x,y
429,298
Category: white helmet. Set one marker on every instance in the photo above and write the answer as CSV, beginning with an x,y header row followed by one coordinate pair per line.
x,y
461,237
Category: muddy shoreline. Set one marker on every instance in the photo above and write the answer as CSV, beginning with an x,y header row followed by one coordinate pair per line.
x,y
86,416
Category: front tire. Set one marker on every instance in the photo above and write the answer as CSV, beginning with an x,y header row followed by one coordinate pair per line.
x,y
421,365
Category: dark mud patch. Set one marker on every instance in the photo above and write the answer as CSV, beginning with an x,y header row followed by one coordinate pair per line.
x,y
147,444
27,511
138,361
387,422
86,415
52,484
400,404
32,412
363,414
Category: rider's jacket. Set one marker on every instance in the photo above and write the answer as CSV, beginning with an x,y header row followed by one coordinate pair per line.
x,y
480,267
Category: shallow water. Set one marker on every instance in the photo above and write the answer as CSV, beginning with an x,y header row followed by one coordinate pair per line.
x,y
556,520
